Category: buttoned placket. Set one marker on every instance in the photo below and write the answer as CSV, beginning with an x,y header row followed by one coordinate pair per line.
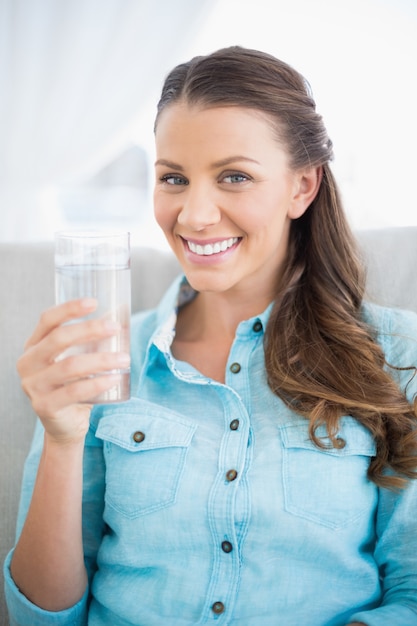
x,y
229,503
229,496
233,458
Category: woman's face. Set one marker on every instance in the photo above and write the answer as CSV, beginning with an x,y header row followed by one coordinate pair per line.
x,y
225,195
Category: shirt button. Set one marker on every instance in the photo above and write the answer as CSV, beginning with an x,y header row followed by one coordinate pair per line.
x,y
235,368
231,475
218,608
227,547
257,327
138,436
234,424
340,443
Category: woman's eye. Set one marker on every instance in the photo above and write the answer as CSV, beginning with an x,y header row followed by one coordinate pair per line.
x,y
173,179
235,177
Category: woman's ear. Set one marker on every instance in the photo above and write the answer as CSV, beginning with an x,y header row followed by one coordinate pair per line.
x,y
306,185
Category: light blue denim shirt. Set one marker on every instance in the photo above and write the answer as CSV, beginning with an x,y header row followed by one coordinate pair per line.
x,y
206,503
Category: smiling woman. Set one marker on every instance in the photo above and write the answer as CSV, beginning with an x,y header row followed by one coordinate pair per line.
x,y
265,468
242,202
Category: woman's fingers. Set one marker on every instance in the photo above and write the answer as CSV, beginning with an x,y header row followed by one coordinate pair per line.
x,y
40,378
54,405
66,365
59,339
74,368
58,315
59,393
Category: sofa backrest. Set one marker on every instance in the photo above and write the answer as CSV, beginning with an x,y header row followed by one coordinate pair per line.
x,y
27,288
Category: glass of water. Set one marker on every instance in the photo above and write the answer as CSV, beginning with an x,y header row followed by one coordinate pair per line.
x,y
95,264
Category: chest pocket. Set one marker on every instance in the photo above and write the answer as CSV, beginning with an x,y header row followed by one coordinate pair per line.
x,y
328,486
145,448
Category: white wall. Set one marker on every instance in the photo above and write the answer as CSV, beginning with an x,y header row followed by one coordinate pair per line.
x,y
358,55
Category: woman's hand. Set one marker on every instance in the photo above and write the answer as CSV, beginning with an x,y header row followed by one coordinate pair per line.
x,y
58,387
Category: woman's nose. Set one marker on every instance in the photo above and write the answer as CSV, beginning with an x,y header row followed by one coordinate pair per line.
x,y
199,209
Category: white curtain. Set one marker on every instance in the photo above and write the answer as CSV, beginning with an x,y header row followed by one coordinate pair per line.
x,y
73,76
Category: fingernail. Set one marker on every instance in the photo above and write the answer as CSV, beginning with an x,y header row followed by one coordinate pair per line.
x,y
88,303
123,359
111,326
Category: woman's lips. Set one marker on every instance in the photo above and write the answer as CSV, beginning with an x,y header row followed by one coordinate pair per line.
x,y
201,251
211,248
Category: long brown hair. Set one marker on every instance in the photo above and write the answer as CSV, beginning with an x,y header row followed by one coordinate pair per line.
x,y
320,357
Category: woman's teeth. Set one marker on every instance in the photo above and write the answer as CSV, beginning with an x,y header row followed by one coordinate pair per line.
x,y
212,248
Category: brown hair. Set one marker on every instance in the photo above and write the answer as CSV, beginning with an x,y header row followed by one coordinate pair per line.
x,y
320,357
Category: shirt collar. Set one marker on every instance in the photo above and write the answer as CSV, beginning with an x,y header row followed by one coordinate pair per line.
x,y
179,294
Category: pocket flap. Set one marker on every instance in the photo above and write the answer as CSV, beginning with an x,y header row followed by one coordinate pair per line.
x,y
354,437
140,425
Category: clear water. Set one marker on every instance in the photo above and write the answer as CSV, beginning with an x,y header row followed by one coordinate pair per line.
x,y
111,287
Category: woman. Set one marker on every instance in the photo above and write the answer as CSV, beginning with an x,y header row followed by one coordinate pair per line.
x,y
263,471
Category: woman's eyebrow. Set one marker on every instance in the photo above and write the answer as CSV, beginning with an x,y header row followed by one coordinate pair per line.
x,y
220,163
233,159
170,164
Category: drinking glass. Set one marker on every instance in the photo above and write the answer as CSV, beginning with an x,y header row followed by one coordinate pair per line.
x,y
96,264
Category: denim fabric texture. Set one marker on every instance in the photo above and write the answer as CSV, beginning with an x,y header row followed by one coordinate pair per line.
x,y
206,503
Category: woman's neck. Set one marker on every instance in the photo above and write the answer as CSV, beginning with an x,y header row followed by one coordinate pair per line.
x,y
212,316
206,329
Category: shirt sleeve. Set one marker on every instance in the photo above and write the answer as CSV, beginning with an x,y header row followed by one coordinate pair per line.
x,y
21,611
396,549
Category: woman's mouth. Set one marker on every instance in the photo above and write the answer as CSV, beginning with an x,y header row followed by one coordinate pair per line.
x,y
209,249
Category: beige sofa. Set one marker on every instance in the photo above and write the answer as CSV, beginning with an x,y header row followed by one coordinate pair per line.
x,y
26,282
